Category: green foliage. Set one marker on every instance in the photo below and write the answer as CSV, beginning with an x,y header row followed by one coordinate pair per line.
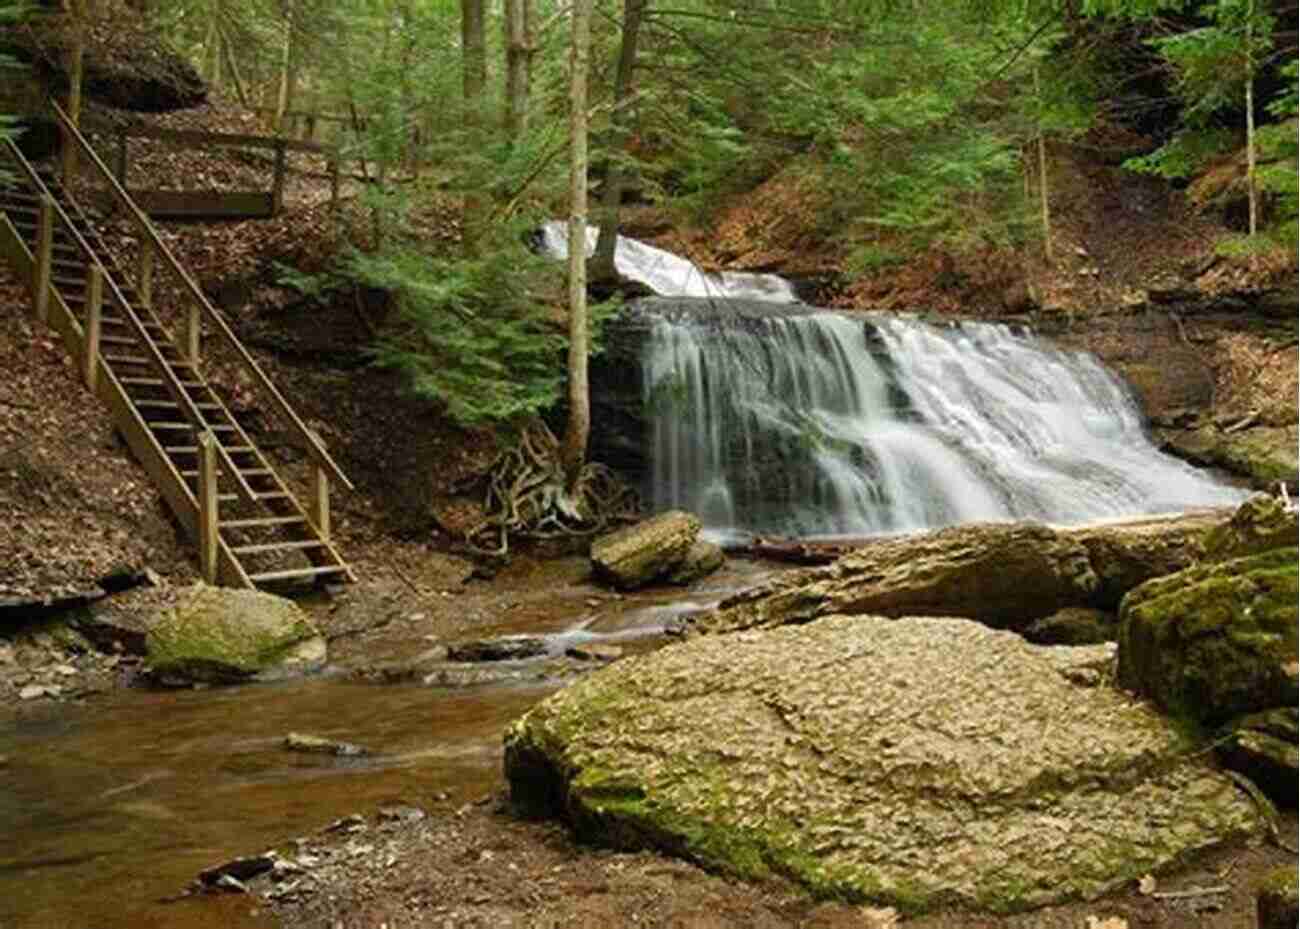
x,y
468,332
1186,153
9,13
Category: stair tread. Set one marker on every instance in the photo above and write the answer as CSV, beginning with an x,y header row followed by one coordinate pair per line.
x,y
277,546
298,572
157,382
170,424
193,449
173,405
245,472
262,521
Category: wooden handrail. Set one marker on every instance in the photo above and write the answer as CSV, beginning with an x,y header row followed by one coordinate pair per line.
x,y
312,446
194,137
156,360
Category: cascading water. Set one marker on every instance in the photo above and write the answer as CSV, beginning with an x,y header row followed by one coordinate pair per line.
x,y
816,423
793,421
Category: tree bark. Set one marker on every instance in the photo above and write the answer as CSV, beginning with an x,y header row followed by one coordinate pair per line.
x,y
1252,195
283,98
518,54
474,56
79,12
1042,172
615,177
573,452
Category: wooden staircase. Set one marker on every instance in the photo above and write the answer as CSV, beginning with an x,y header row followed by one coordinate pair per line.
x,y
250,528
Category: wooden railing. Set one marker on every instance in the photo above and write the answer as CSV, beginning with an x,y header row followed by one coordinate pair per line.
x,y
187,138
199,309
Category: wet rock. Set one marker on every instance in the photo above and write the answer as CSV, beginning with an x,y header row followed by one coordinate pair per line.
x,y
505,648
594,651
1214,641
237,869
1265,454
1124,555
1259,524
220,635
1277,903
1005,576
637,555
702,559
1074,625
316,745
1262,746
401,814
912,762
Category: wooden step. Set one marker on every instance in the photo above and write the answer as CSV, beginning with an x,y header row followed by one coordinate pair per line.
x,y
171,426
172,405
262,521
194,449
270,495
158,382
246,472
141,360
297,573
277,547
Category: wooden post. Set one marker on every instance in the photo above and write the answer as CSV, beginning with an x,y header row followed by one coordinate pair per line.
x,y
277,189
207,494
121,158
144,284
44,258
193,334
320,497
94,312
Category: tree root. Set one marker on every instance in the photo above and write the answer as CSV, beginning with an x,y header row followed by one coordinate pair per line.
x,y
527,496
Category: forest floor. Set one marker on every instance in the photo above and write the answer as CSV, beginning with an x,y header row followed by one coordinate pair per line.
x,y
74,509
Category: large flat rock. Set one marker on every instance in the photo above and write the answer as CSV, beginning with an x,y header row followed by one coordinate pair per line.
x,y
1006,575
917,762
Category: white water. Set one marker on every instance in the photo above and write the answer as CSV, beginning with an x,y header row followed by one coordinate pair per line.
x,y
670,276
820,424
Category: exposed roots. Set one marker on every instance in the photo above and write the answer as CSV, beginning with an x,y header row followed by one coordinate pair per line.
x,y
527,496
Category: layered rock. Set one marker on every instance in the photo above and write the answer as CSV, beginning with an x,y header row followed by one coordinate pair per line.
x,y
1262,746
1216,640
1004,575
918,762
664,547
220,635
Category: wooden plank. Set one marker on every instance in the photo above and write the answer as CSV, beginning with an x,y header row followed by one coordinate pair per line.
x,y
320,502
207,494
94,310
14,250
277,184
193,138
205,204
44,259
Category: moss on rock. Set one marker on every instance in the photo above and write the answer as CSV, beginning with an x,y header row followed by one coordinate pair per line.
x,y
1277,903
220,635
914,762
1214,641
1258,525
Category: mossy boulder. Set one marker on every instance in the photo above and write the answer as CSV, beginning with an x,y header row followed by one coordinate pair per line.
x,y
220,635
1262,746
1214,641
702,559
1124,555
648,551
914,762
1259,524
1277,900
1264,454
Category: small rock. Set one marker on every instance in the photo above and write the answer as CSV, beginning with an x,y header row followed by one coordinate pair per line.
x,y
505,648
316,745
594,651
229,884
237,870
66,670
404,814
351,823
35,691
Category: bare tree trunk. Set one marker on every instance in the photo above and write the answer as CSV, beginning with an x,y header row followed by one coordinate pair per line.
x,y
1042,173
517,70
286,64
233,69
79,12
611,195
474,56
1252,194
573,453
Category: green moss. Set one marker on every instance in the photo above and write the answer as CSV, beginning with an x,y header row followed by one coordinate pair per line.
x,y
1282,881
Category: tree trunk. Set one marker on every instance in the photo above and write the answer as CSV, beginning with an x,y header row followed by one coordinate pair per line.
x,y
518,53
1042,172
612,194
79,11
474,57
1252,194
286,65
573,453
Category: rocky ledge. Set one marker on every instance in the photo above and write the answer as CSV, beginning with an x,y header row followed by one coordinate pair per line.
x,y
918,762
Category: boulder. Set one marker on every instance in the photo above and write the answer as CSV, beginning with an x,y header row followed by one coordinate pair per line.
x,y
1277,902
921,762
1264,454
637,555
1123,555
1004,575
702,559
1074,625
318,745
1259,524
221,635
1262,746
1214,641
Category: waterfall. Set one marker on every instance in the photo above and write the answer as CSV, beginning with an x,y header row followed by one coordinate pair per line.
x,y
800,422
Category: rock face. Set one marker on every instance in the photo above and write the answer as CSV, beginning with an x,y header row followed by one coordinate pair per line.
x,y
1259,524
1262,746
918,762
1214,641
1004,575
1265,454
650,550
220,635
